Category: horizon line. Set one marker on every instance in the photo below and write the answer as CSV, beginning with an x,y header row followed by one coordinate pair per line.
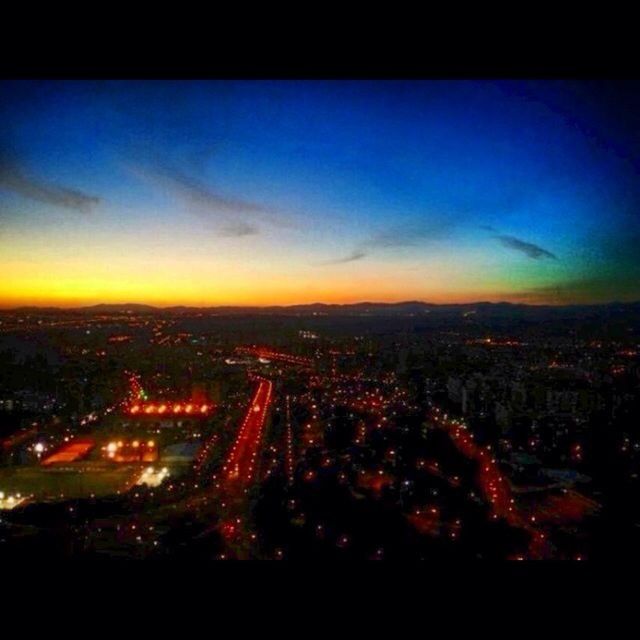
x,y
311,304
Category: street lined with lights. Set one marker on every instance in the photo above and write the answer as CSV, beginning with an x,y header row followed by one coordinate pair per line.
x,y
289,460
241,460
493,484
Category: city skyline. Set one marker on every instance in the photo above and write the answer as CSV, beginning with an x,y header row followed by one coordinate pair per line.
x,y
257,193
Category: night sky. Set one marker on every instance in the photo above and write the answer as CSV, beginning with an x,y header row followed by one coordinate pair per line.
x,y
257,193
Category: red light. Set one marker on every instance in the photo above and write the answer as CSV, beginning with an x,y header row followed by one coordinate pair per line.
x,y
204,408
135,408
177,408
188,408
162,408
150,409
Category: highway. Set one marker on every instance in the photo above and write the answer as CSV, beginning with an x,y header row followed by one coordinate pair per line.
x,y
239,468
239,472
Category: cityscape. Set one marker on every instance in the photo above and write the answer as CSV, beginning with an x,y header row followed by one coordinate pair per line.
x,y
305,320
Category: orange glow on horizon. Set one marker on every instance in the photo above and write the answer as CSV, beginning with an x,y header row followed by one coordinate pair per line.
x,y
263,301
130,279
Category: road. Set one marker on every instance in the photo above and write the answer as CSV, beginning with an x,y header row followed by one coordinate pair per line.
x,y
239,469
289,460
493,484
18,438
279,356
239,472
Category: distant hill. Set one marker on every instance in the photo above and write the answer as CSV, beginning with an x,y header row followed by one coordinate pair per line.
x,y
477,310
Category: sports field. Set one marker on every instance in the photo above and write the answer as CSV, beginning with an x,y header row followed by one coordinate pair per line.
x,y
74,480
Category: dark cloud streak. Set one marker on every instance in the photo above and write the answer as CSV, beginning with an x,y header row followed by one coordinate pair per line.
x,y
13,179
352,257
408,234
204,196
238,217
239,230
528,248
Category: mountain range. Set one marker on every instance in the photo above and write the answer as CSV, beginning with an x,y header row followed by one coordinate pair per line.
x,y
409,308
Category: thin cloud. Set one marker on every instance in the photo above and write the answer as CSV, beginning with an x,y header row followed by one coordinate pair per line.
x,y
573,291
239,230
528,248
352,257
608,287
410,234
551,294
404,235
13,179
207,198
238,217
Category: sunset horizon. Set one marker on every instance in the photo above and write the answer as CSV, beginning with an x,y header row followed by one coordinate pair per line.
x,y
286,305
208,193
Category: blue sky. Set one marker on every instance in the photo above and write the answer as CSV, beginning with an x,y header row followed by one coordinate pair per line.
x,y
281,192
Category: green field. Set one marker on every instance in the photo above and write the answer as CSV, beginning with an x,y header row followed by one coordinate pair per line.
x,y
75,481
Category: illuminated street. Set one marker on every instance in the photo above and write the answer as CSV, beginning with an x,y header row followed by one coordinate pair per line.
x,y
239,468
